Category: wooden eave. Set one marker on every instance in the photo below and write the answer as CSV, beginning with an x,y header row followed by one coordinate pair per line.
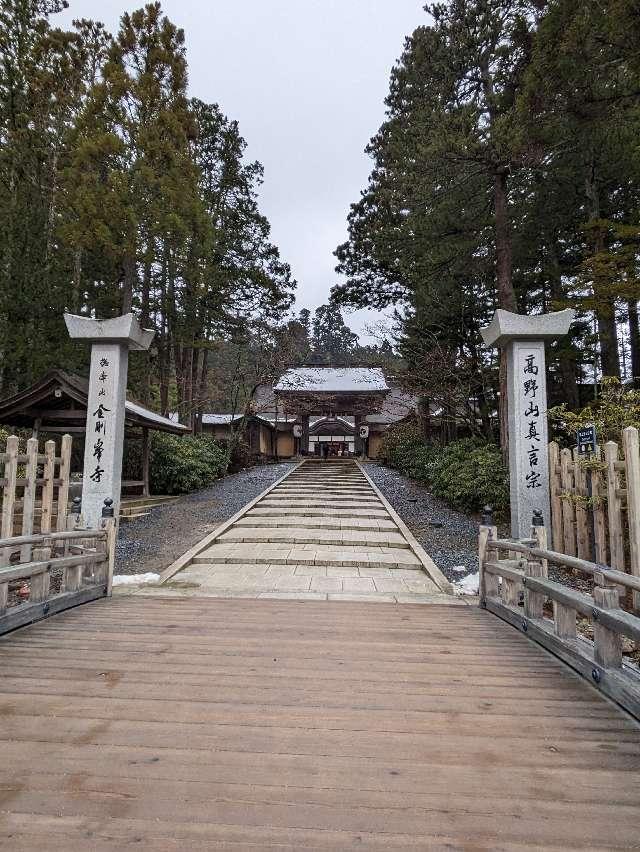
x,y
39,401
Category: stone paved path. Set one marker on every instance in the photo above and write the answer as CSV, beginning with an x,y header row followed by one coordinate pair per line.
x,y
324,532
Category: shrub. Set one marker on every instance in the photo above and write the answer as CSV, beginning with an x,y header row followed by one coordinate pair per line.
x,y
617,407
470,473
467,474
182,464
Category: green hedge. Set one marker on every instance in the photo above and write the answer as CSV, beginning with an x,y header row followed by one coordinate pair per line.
x,y
182,464
467,474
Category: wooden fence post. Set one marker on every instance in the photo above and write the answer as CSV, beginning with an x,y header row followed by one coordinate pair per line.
x,y
63,488
599,518
568,509
29,496
48,476
554,489
582,516
614,507
632,473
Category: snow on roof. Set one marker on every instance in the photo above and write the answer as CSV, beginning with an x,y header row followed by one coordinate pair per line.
x,y
333,380
220,419
270,417
141,411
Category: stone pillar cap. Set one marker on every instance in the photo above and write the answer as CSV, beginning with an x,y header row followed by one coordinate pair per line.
x,y
125,329
506,326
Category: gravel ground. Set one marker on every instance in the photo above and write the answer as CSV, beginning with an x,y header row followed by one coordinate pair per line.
x,y
154,542
449,537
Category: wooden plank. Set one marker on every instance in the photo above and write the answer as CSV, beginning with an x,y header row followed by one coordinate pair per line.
x,y
632,475
568,507
29,498
582,517
48,487
614,507
599,515
119,721
63,488
555,491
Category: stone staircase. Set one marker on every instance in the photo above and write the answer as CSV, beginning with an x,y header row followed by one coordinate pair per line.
x,y
323,531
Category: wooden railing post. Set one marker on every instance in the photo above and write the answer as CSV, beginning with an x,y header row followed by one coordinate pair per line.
x,y
632,470
510,589
607,650
488,585
564,621
533,601
73,575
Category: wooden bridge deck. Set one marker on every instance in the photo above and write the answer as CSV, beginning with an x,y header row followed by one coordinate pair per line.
x,y
166,724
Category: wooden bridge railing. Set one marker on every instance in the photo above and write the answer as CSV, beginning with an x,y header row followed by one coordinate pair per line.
x,y
61,570
515,586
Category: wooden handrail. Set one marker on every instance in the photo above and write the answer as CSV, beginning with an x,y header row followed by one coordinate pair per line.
x,y
32,569
66,535
516,589
629,581
615,619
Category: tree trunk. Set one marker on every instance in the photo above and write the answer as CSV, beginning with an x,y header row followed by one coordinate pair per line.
x,y
506,294
634,341
128,283
566,352
605,311
608,336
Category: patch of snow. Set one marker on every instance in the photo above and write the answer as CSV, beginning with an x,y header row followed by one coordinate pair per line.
x,y
468,585
459,569
135,579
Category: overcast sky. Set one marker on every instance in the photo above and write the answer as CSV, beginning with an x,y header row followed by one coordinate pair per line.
x,y
306,80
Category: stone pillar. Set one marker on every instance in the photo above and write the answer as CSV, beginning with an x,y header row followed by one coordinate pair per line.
x,y
524,339
110,341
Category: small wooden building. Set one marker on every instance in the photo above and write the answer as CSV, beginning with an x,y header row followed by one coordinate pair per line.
x,y
57,403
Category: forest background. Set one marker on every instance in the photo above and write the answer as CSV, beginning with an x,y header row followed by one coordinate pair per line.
x,y
506,175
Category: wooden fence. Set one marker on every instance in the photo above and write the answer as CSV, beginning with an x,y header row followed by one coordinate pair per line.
x,y
514,585
35,487
45,570
603,526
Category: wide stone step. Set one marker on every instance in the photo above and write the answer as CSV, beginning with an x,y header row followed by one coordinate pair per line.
x,y
330,506
314,511
319,522
317,492
301,535
268,553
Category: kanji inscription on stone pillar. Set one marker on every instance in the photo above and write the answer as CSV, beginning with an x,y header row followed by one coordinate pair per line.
x,y
110,341
524,339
